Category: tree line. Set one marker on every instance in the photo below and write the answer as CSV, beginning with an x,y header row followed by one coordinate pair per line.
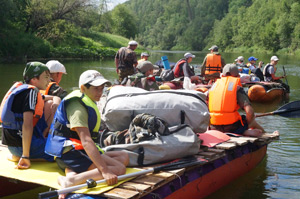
x,y
87,29
233,25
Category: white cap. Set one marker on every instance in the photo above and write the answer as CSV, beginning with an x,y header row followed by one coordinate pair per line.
x,y
56,67
145,54
133,43
241,58
188,55
92,77
274,58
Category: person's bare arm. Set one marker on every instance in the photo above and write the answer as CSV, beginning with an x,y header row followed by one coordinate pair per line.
x,y
27,131
92,151
249,113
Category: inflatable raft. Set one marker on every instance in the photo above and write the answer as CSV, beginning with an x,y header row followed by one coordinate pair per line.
x,y
221,163
265,92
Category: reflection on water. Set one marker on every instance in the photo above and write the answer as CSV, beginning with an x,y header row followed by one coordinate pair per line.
x,y
278,176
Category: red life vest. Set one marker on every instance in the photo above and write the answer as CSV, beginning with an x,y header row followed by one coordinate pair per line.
x,y
213,64
178,68
223,105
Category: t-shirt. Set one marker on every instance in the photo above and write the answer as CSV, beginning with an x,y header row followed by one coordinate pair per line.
x,y
242,98
56,90
77,113
127,57
23,102
271,71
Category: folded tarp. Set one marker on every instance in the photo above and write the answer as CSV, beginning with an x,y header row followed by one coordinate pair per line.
x,y
45,173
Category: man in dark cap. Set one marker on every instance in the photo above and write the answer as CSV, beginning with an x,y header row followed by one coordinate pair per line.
x,y
26,116
126,60
225,98
144,78
212,65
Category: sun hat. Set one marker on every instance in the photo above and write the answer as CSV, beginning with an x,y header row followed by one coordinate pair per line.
x,y
93,77
133,43
34,69
241,58
252,58
188,55
145,66
145,54
274,58
232,69
56,67
214,48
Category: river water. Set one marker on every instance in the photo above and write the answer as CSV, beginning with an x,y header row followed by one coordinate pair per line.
x,y
278,176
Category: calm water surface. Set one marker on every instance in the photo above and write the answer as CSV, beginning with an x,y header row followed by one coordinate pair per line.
x,y
278,176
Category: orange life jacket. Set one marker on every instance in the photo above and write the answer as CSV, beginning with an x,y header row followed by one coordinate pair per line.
x,y
213,64
46,92
15,89
223,105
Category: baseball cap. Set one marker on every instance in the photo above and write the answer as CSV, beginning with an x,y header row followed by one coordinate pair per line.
x,y
252,58
274,58
133,43
145,66
214,48
34,69
232,69
56,67
92,77
145,54
188,55
241,58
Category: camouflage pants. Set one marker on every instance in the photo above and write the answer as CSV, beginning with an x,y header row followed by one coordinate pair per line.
x,y
125,72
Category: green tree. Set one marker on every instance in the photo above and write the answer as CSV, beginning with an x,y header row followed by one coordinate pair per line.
x,y
124,22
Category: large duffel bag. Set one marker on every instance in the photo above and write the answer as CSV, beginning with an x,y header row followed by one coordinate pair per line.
x,y
173,106
181,142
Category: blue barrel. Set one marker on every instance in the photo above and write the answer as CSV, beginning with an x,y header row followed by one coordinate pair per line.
x,y
165,62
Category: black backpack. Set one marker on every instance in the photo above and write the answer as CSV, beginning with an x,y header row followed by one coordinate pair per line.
x,y
167,75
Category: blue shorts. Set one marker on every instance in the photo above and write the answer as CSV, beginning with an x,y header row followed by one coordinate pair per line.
x,y
36,152
76,160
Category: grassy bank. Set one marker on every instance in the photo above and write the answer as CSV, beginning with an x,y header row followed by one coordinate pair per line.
x,y
86,45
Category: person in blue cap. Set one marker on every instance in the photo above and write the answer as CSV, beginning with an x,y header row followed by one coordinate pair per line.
x,y
254,69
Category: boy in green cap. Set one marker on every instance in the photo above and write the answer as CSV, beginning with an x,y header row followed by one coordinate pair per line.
x,y
26,116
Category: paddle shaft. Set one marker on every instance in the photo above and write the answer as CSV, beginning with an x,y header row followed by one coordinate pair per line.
x,y
55,193
286,81
170,166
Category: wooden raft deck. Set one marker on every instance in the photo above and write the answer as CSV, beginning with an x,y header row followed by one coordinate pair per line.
x,y
143,185
147,184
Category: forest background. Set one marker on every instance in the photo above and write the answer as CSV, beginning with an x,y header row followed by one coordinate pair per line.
x,y
87,29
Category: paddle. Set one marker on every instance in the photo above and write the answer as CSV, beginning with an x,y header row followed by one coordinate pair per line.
x,y
291,110
184,162
286,81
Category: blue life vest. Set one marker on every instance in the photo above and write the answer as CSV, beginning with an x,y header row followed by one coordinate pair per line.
x,y
60,132
11,120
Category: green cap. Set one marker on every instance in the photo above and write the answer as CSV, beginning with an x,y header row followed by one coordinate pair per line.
x,y
33,69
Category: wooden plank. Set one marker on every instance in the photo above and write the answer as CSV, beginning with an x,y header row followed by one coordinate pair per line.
x,y
226,146
249,139
208,154
238,141
220,151
164,175
135,187
119,193
148,179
